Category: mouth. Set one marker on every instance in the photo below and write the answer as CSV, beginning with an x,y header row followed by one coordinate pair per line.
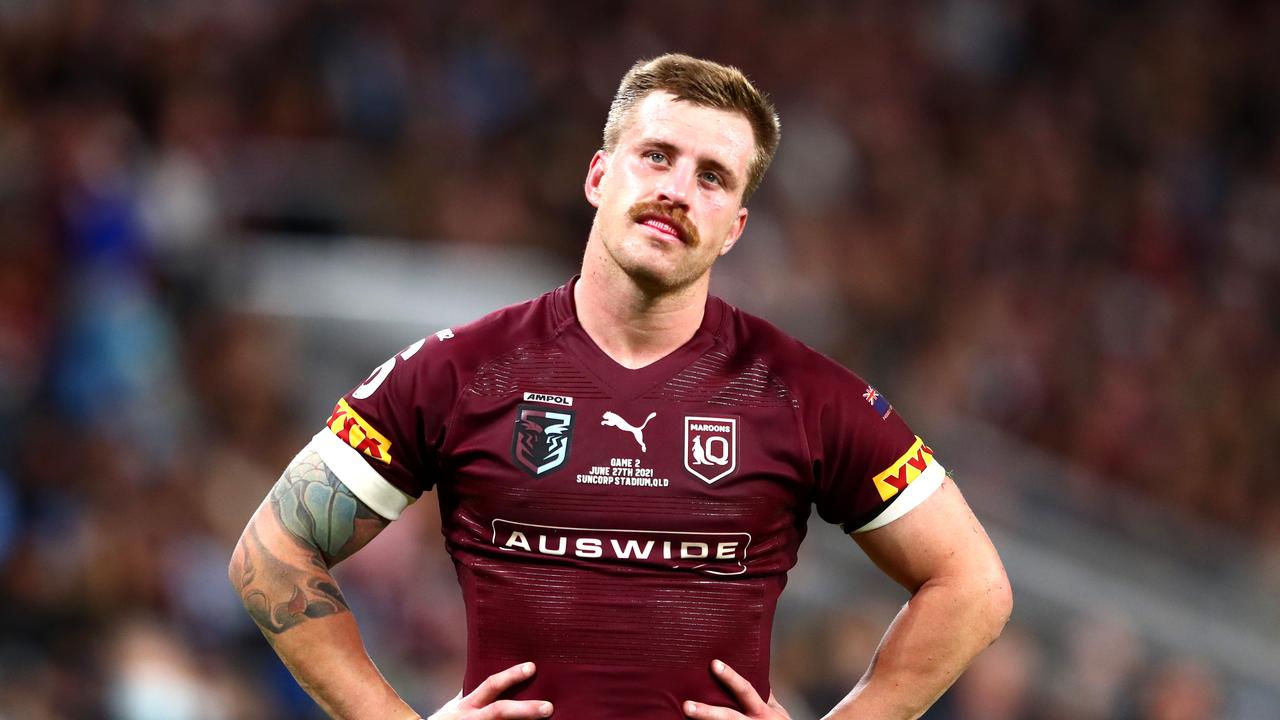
x,y
664,225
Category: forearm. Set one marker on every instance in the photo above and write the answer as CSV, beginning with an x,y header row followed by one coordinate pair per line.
x,y
932,640
280,568
329,661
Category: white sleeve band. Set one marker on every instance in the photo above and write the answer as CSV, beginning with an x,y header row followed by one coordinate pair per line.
x,y
917,492
363,481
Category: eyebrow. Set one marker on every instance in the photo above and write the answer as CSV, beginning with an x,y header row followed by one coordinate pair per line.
x,y
731,179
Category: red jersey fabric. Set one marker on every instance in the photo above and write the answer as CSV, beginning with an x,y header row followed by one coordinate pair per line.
x,y
621,528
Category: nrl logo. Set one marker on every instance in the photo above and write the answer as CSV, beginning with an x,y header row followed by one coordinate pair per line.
x,y
540,442
710,447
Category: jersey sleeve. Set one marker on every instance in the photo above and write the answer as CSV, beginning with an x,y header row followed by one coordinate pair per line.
x,y
383,438
869,467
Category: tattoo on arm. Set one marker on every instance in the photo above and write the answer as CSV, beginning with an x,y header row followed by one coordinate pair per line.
x,y
318,509
281,565
312,593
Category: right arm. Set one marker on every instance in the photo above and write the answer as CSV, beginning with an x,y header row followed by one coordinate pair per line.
x,y
308,523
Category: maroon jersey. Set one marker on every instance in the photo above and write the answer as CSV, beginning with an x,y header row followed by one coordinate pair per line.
x,y
620,527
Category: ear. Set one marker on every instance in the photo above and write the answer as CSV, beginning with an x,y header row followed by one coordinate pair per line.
x,y
595,177
739,224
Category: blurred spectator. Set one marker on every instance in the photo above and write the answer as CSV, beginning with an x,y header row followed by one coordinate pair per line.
x,y
1000,685
155,678
1102,657
1180,689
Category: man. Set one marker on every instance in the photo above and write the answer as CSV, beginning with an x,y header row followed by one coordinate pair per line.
x,y
625,468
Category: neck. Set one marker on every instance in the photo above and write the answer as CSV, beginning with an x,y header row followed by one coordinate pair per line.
x,y
633,325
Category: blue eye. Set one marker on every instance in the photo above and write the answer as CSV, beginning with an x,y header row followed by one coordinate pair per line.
x,y
711,177
657,157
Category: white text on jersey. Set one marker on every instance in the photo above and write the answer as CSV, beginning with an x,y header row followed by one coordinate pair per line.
x,y
564,400
713,553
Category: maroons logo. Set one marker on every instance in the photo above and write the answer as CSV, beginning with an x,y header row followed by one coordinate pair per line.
x,y
541,439
710,447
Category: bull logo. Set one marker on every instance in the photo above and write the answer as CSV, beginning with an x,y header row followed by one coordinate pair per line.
x,y
541,439
710,447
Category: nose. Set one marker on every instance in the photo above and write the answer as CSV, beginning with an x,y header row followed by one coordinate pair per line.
x,y
676,185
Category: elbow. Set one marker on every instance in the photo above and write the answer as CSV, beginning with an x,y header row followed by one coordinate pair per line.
x,y
237,570
998,603
987,601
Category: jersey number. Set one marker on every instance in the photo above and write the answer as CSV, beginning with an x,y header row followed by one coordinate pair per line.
x,y
368,387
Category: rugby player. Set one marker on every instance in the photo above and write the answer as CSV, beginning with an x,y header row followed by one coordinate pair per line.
x,y
626,467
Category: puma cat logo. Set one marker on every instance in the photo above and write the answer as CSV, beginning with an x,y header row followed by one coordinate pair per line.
x,y
613,419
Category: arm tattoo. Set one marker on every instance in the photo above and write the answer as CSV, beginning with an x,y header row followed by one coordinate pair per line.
x,y
318,509
312,594
283,586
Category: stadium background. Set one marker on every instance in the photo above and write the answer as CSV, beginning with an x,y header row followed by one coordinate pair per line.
x,y
1046,229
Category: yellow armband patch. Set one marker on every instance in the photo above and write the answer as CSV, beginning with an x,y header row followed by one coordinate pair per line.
x,y
352,429
904,470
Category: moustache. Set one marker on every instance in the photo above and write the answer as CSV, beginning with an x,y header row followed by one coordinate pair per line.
x,y
670,213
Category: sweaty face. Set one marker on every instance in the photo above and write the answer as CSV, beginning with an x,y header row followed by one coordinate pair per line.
x,y
669,195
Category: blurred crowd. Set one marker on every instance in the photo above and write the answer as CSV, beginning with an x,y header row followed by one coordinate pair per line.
x,y
1058,216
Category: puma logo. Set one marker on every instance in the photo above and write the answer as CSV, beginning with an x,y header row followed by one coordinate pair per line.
x,y
613,419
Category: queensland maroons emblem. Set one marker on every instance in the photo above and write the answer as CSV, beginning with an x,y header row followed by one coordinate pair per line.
x,y
541,439
710,447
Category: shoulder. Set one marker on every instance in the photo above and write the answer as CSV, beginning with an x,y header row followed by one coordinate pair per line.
x,y
473,344
440,364
802,369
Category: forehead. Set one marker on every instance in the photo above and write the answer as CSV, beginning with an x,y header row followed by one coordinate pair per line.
x,y
722,135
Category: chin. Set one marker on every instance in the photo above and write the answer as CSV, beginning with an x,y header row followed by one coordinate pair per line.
x,y
654,269
661,280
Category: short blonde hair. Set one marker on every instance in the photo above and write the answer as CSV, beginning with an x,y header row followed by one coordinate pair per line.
x,y
706,83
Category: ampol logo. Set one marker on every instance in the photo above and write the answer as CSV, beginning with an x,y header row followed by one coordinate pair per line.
x,y
710,447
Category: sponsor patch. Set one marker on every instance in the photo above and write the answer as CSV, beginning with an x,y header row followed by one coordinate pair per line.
x,y
353,430
541,439
564,400
713,553
710,447
877,402
904,470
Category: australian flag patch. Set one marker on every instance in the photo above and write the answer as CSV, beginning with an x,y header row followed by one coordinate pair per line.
x,y
877,402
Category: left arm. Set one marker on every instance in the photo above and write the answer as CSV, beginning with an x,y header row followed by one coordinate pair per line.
x,y
960,601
